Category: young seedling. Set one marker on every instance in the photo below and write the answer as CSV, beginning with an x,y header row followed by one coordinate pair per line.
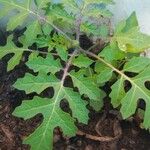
x,y
57,27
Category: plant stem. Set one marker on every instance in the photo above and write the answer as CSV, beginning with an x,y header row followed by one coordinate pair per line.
x,y
68,66
78,24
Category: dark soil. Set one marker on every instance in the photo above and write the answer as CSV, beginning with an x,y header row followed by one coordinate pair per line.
x,y
100,134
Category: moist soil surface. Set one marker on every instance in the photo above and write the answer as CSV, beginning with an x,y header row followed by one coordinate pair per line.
x,y
105,130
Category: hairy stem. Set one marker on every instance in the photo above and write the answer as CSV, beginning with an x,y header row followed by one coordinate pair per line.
x,y
78,24
68,66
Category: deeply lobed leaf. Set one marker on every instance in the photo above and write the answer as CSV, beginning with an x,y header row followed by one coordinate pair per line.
x,y
129,100
10,48
47,65
49,108
53,117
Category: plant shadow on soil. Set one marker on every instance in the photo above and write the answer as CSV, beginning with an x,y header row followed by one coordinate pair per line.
x,y
13,130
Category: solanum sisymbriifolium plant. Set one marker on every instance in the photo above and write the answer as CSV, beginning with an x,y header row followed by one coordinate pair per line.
x,y
57,27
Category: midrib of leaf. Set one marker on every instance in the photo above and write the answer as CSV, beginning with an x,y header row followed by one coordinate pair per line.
x,y
78,80
53,110
116,70
40,17
51,115
59,92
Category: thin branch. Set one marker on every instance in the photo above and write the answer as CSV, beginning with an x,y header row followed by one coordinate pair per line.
x,y
78,23
68,66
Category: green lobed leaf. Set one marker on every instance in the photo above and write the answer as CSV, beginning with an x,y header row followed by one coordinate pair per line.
x,y
17,20
76,103
131,22
82,61
138,91
30,83
22,6
132,41
137,64
118,92
129,99
48,64
58,43
54,117
47,29
85,86
112,53
105,75
32,31
71,6
10,48
62,52
97,104
129,37
58,11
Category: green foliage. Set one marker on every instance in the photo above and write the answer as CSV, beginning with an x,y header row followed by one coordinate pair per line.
x,y
85,85
138,90
53,30
48,64
39,83
23,12
129,37
94,29
54,116
82,61
10,48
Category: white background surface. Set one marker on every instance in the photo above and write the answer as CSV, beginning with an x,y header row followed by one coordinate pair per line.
x,y
123,8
